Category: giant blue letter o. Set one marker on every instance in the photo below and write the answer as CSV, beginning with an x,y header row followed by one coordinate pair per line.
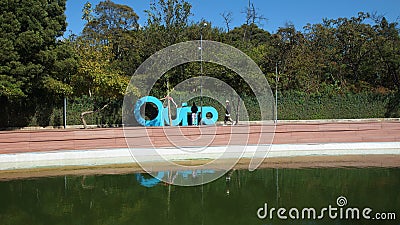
x,y
158,121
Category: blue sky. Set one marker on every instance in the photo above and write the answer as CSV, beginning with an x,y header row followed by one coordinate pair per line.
x,y
278,13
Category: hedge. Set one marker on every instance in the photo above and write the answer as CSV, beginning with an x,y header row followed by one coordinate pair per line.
x,y
291,106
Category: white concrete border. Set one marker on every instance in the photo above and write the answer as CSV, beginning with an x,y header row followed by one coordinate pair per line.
x,y
58,159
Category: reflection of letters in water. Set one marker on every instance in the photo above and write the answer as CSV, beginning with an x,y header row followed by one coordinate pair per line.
x,y
150,182
188,174
162,117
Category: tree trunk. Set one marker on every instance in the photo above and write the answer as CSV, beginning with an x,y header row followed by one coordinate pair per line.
x,y
83,114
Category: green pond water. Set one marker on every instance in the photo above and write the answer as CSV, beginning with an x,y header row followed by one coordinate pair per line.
x,y
242,199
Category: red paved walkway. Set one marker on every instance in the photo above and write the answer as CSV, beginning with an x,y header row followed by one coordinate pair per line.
x,y
286,133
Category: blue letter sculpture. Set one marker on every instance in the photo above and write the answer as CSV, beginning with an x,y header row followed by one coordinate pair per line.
x,y
181,114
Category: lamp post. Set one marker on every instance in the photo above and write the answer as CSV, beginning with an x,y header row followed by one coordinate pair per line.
x,y
201,71
65,113
276,92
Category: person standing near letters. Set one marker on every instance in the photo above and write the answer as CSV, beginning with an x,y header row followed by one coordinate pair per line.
x,y
194,110
228,113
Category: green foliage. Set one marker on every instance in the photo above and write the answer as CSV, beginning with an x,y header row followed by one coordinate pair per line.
x,y
291,106
321,68
302,106
100,48
10,87
95,76
110,116
31,57
34,65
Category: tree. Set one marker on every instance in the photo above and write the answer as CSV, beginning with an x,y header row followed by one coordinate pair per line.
x,y
110,24
252,18
227,16
99,49
166,22
34,63
387,44
96,77
353,37
324,48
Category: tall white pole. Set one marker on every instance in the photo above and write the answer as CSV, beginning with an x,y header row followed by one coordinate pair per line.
x,y
276,92
201,72
201,76
65,113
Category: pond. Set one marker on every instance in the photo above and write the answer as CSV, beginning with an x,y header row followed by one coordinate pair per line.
x,y
265,196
